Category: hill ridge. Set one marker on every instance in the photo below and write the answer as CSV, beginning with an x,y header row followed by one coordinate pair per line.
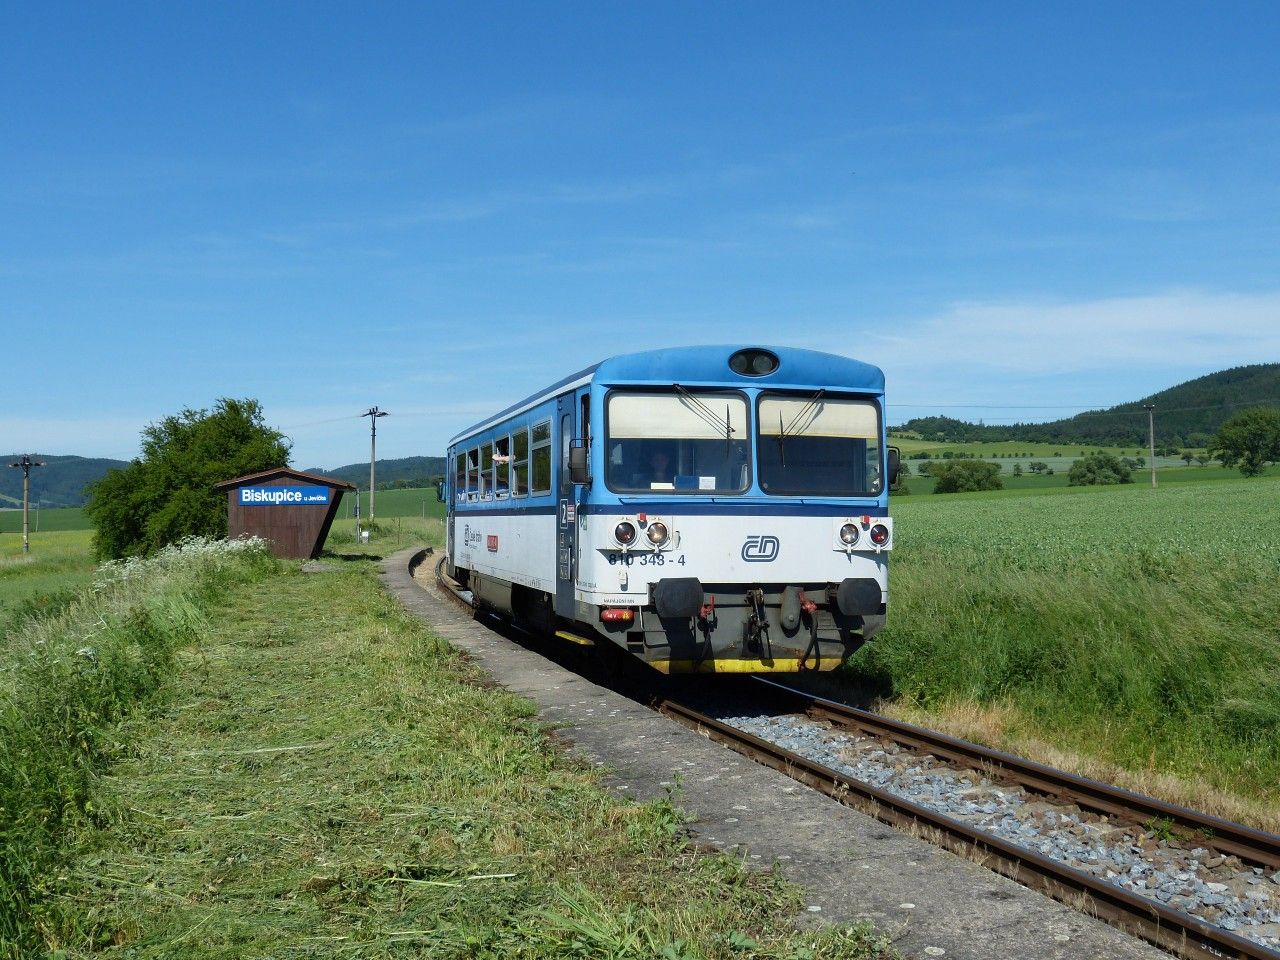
x,y
1187,414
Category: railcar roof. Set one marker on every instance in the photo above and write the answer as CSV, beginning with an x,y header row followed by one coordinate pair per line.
x,y
708,364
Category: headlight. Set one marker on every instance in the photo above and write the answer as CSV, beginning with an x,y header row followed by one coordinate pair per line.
x,y
849,534
625,533
657,533
879,534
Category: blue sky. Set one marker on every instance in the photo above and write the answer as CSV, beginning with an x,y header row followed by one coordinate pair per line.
x,y
1018,210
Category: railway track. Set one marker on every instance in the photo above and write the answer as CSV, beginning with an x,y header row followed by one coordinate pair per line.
x,y
1172,929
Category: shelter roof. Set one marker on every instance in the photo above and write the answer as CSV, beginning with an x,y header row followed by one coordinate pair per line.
x,y
276,472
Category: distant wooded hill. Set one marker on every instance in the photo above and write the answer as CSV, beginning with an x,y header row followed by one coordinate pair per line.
x,y
1186,415
392,474
60,483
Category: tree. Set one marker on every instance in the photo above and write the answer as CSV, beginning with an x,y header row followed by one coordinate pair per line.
x,y
1203,459
963,476
1017,469
1188,457
1250,440
1099,468
167,493
1037,466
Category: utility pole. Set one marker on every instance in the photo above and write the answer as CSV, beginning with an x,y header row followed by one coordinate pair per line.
x,y
26,463
373,413
1151,436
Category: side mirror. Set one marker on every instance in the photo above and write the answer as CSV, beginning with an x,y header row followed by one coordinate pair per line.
x,y
578,462
895,464
440,490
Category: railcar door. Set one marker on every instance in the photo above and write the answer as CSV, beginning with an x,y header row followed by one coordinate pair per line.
x,y
566,515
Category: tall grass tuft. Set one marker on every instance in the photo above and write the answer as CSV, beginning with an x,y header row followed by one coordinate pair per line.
x,y
1137,627
67,680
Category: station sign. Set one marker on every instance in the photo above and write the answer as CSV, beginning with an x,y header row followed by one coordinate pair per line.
x,y
283,496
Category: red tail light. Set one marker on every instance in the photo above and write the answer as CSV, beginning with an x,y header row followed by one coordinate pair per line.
x,y
879,534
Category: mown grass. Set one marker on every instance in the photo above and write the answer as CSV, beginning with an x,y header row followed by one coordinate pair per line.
x,y
1133,626
326,778
67,681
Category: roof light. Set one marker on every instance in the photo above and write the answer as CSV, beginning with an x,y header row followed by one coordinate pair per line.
x,y
753,363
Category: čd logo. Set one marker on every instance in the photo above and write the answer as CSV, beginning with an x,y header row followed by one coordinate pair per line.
x,y
760,548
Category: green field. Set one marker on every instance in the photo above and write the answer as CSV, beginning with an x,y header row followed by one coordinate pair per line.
x,y
1132,625
394,503
62,518
43,581
1032,483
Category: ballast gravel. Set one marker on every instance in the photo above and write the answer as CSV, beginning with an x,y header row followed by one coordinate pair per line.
x,y
1154,863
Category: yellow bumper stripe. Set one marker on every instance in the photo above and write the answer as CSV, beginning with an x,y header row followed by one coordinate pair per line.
x,y
777,665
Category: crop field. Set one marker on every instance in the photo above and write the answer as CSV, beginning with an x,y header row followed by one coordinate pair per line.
x,y
60,518
1132,625
416,502
1033,483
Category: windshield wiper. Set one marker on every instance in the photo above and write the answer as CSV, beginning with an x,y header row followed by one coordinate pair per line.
x,y
782,431
707,415
813,401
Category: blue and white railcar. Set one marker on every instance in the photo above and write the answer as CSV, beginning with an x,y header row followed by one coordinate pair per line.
x,y
704,508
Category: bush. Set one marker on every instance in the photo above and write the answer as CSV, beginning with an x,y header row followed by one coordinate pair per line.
x,y
167,494
965,476
1099,468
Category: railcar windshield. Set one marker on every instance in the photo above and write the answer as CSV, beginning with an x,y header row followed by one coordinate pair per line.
x,y
684,441
819,445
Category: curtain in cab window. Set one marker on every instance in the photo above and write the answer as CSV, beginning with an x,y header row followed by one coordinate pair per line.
x,y
824,446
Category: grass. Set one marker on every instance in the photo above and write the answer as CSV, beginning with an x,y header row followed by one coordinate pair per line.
x,y
326,778
387,536
1132,627
43,582
67,683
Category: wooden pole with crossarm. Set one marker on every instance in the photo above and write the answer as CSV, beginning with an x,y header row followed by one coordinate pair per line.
x,y
26,463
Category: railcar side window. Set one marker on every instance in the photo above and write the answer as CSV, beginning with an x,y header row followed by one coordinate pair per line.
x,y
460,478
502,467
541,473
486,471
473,475
685,441
816,445
520,462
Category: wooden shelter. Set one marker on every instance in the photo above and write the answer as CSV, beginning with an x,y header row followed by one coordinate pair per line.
x,y
292,509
